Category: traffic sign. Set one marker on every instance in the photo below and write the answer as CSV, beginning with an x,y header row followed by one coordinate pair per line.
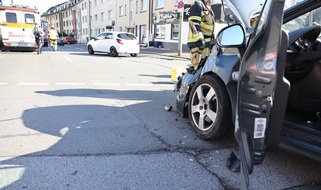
x,y
180,4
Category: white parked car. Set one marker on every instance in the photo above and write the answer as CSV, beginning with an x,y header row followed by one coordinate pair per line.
x,y
114,43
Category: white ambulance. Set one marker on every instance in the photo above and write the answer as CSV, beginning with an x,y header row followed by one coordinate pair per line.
x,y
16,28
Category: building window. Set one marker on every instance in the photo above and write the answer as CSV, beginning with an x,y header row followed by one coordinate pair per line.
x,y
110,15
159,3
102,16
160,31
121,10
136,6
143,5
175,31
96,17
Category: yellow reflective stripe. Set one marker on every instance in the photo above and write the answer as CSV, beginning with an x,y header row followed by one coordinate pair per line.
x,y
194,18
207,39
18,25
193,40
207,27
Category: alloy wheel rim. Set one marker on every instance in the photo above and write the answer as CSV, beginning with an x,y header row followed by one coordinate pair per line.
x,y
204,107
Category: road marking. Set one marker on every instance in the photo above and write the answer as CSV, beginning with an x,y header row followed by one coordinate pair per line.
x,y
3,83
70,83
33,83
168,85
67,58
139,84
80,49
106,84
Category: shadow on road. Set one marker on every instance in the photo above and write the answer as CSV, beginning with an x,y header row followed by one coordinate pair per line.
x,y
120,126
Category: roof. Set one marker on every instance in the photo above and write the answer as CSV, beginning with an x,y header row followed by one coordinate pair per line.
x,y
18,7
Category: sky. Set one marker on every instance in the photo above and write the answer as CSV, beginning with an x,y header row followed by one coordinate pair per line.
x,y
43,5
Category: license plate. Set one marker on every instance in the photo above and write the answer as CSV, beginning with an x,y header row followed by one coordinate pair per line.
x,y
23,44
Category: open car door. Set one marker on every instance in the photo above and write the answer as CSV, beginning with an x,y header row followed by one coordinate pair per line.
x,y
262,89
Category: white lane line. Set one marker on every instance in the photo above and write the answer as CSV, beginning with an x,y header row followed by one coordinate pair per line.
x,y
70,83
80,49
3,83
67,58
106,84
168,85
33,83
139,84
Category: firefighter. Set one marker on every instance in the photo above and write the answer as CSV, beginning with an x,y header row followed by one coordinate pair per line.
x,y
53,37
201,31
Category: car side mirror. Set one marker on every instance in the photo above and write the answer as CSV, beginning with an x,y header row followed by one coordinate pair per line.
x,y
231,36
93,38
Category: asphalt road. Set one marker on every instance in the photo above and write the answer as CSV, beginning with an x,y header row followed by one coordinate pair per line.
x,y
70,120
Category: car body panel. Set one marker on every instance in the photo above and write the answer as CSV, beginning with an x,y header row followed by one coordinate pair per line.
x,y
61,42
69,40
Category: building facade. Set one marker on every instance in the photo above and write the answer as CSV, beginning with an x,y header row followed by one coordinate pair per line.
x,y
154,22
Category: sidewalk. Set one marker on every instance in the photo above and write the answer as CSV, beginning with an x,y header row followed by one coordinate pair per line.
x,y
165,52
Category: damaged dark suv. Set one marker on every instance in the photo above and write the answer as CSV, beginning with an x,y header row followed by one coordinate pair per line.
x,y
270,90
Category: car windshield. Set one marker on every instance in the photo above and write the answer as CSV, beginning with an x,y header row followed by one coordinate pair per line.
x,y
126,36
308,19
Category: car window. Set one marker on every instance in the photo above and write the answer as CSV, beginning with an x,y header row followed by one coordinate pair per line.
x,y
126,36
101,36
109,36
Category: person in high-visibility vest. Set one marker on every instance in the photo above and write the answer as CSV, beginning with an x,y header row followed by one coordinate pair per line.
x,y
53,37
201,30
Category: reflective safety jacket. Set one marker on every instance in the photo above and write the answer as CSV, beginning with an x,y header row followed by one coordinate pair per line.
x,y
201,24
53,35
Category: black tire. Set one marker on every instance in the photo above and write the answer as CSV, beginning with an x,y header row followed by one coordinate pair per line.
x,y
113,51
90,50
209,108
133,54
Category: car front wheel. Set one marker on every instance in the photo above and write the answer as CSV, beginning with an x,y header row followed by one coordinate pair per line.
x,y
133,54
209,108
90,49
